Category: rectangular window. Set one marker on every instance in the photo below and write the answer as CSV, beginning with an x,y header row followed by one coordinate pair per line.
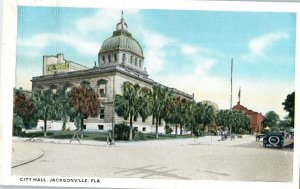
x,y
144,128
102,90
84,126
100,127
102,113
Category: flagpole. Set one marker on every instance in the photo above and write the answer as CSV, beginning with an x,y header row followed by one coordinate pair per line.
x,y
231,84
231,91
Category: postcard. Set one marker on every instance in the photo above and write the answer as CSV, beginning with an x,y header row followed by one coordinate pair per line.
x,y
129,94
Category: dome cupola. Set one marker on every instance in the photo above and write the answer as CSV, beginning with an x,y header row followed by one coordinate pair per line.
x,y
121,48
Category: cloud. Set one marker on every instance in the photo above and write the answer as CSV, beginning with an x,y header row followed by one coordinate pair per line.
x,y
103,20
204,65
98,22
156,50
258,46
40,41
189,50
81,45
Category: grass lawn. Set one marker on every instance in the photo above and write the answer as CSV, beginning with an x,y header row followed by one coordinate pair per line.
x,y
98,136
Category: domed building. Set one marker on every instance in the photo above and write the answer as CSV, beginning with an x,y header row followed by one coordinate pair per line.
x,y
120,59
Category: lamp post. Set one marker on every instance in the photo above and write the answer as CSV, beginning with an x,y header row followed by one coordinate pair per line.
x,y
113,113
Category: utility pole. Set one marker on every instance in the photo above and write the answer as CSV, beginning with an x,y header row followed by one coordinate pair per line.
x,y
231,92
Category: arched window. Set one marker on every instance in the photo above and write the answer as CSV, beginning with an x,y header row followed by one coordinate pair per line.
x,y
123,58
102,83
140,63
131,59
103,59
135,62
115,56
109,59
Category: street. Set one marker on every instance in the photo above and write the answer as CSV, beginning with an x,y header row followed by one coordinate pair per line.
x,y
197,159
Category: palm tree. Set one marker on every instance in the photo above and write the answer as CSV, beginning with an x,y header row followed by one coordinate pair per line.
x,y
160,97
183,114
222,118
46,105
129,104
171,113
145,102
64,107
85,102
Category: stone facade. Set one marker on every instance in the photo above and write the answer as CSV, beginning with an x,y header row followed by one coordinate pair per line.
x,y
119,61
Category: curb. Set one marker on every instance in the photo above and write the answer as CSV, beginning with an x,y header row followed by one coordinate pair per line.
x,y
29,161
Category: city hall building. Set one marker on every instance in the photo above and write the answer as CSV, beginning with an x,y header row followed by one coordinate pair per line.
x,y
120,59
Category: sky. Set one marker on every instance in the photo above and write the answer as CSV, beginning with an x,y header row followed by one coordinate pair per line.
x,y
190,50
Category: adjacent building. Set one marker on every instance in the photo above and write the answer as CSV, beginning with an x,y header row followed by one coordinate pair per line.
x,y
57,64
255,117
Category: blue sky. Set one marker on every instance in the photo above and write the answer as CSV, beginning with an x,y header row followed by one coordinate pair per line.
x,y
186,49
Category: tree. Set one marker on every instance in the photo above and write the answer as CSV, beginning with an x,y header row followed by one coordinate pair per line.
x,y
146,103
238,121
289,106
17,125
45,104
85,102
172,113
160,97
129,104
271,120
222,119
24,107
204,114
64,107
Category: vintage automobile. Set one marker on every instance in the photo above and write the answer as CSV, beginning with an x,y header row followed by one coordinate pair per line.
x,y
274,139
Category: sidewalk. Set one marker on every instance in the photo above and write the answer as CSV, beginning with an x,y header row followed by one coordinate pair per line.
x,y
178,141
23,154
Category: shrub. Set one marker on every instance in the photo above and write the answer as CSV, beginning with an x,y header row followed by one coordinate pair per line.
x,y
137,135
121,131
197,131
168,129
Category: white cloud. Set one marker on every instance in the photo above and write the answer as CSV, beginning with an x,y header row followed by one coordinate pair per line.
x,y
103,20
257,47
156,50
189,50
204,65
41,41
37,41
81,45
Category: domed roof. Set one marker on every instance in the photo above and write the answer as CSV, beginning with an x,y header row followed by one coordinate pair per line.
x,y
122,40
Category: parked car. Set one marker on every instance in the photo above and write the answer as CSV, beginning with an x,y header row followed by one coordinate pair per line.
x,y
274,139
